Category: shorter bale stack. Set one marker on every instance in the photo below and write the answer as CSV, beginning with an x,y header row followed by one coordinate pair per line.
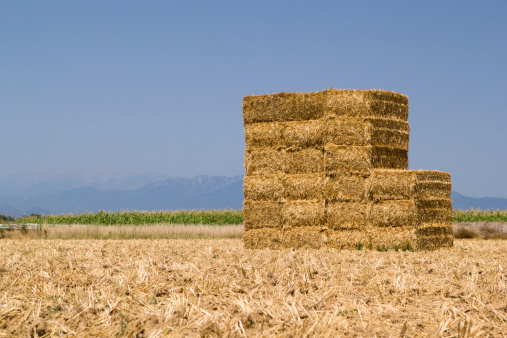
x,y
331,169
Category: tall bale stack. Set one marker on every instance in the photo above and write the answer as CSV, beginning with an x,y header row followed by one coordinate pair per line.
x,y
330,169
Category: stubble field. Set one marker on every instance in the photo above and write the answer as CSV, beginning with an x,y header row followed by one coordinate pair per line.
x,y
215,287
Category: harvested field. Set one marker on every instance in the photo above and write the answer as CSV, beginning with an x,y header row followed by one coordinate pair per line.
x,y
217,288
151,231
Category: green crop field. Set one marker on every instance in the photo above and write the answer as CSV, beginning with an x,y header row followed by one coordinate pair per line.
x,y
479,215
213,217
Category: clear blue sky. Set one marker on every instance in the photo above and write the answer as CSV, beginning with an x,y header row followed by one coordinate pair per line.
x,y
158,85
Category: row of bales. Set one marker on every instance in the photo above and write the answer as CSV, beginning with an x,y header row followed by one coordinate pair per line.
x,y
330,169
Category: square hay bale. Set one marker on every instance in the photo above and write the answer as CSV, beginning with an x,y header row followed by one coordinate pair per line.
x,y
262,214
432,175
263,187
303,213
433,189
367,131
434,203
397,213
382,239
346,215
283,107
434,242
389,184
346,188
265,238
264,161
303,134
304,161
267,134
366,103
433,184
389,158
343,239
342,160
387,96
389,133
434,211
304,237
386,184
434,230
304,187
276,239
361,160
390,238
347,131
412,213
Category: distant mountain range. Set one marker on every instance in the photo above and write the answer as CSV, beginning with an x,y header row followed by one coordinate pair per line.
x,y
200,192
483,203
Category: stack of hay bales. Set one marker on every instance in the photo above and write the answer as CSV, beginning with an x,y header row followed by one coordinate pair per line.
x,y
330,169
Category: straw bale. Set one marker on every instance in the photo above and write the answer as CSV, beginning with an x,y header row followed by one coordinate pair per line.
x,y
434,203
389,138
303,213
303,134
266,238
434,242
262,214
366,103
304,187
304,161
434,230
304,237
432,175
347,131
264,161
388,96
361,160
367,131
346,215
342,160
346,238
433,189
346,188
397,238
401,238
389,158
283,107
397,213
434,216
390,110
433,184
373,238
263,187
268,134
390,184
276,239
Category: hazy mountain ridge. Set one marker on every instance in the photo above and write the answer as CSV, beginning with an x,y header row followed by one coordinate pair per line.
x,y
27,185
483,203
200,192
